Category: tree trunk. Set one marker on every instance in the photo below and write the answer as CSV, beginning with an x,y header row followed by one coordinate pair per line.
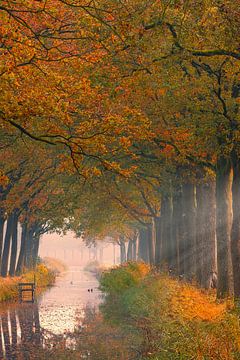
x,y
13,256
181,230
143,251
200,232
134,248
177,263
164,235
158,246
206,233
28,263
21,256
6,249
235,233
223,224
189,209
177,231
130,250
166,223
122,250
151,238
2,221
172,244
35,250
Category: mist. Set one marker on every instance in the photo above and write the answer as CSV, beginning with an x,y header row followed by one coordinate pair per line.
x,y
73,251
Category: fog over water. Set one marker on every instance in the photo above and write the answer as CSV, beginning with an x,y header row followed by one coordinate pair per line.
x,y
59,311
73,251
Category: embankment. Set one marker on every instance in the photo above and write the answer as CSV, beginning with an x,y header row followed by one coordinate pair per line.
x,y
166,319
44,277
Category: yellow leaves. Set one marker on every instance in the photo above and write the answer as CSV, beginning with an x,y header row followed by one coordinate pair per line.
x,y
124,141
96,172
91,172
129,171
9,286
191,303
109,17
147,301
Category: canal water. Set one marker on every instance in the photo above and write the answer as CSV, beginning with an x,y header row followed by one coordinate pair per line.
x,y
32,331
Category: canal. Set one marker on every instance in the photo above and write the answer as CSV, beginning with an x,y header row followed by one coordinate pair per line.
x,y
40,330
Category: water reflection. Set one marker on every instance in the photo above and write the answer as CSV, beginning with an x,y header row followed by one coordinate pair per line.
x,y
20,332
23,338
58,307
66,324
36,331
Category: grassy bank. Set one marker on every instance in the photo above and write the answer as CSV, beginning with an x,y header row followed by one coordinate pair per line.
x,y
150,316
166,319
9,285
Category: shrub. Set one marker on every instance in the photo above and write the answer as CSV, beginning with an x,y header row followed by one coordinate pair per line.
x,y
121,278
168,319
9,285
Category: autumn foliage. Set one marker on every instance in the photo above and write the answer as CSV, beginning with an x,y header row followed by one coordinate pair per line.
x,y
9,286
120,120
172,319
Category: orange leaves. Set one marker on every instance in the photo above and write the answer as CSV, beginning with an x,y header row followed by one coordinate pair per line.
x,y
169,151
96,171
4,180
109,17
162,91
39,202
125,142
191,303
92,172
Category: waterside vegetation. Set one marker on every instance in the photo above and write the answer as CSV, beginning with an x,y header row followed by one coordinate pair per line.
x,y
167,319
44,278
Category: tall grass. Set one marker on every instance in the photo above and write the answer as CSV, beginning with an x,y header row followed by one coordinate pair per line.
x,y
170,320
9,286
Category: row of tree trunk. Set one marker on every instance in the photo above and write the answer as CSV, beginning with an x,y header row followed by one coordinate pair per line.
x,y
18,253
197,234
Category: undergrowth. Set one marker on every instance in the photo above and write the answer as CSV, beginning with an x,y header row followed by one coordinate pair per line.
x,y
9,286
169,319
